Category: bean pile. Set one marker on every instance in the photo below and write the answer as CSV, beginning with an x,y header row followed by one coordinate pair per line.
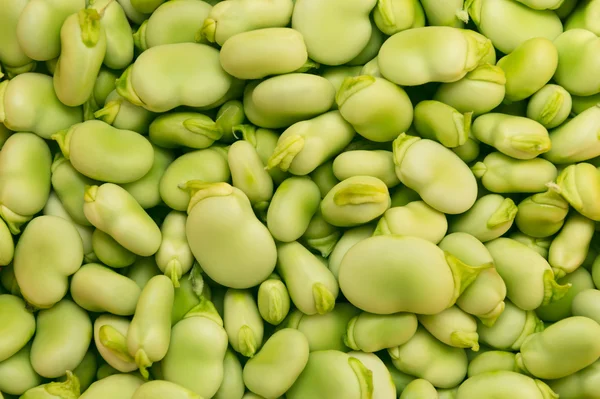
x,y
301,199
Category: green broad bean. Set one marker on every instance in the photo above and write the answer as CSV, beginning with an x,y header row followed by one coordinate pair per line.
x,y
376,163
528,68
7,245
313,19
431,60
230,116
62,338
370,332
580,103
85,371
347,241
228,18
515,136
337,74
293,205
122,114
370,51
356,200
119,386
18,325
249,175
577,56
172,23
580,280
425,357
492,361
69,389
69,185
110,338
187,295
142,270
232,386
419,389
101,152
323,331
320,235
333,375
265,142
370,68
273,300
393,16
416,219
564,348
512,327
150,329
500,173
110,252
11,53
377,109
579,184
184,129
312,287
437,121
110,208
219,214
445,13
581,384
83,45
100,289
530,281
55,208
453,327
16,373
195,359
394,277
489,218
383,386
283,100
587,303
28,104
304,146
146,190
542,4
479,91
163,389
324,177
403,195
105,84
570,247
447,184
400,379
496,19
582,17
252,54
105,370
172,75
174,256
550,106
469,151
48,252
539,245
25,169
542,215
284,356
119,41
576,139
507,384
242,321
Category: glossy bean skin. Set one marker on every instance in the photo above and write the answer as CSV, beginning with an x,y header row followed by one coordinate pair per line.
x,y
494,19
383,387
411,152
19,322
120,386
273,300
249,175
395,16
376,163
419,388
577,54
160,389
440,122
101,152
218,210
69,185
174,256
509,383
415,219
587,303
70,388
172,23
122,114
579,384
12,54
570,247
59,347
30,105
17,374
184,129
95,288
110,337
431,62
42,272
553,354
25,169
170,90
442,265
580,280
492,361
542,215
111,209
119,41
150,329
83,47
454,327
550,106
511,328
110,252
242,322
232,386
369,332
579,185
